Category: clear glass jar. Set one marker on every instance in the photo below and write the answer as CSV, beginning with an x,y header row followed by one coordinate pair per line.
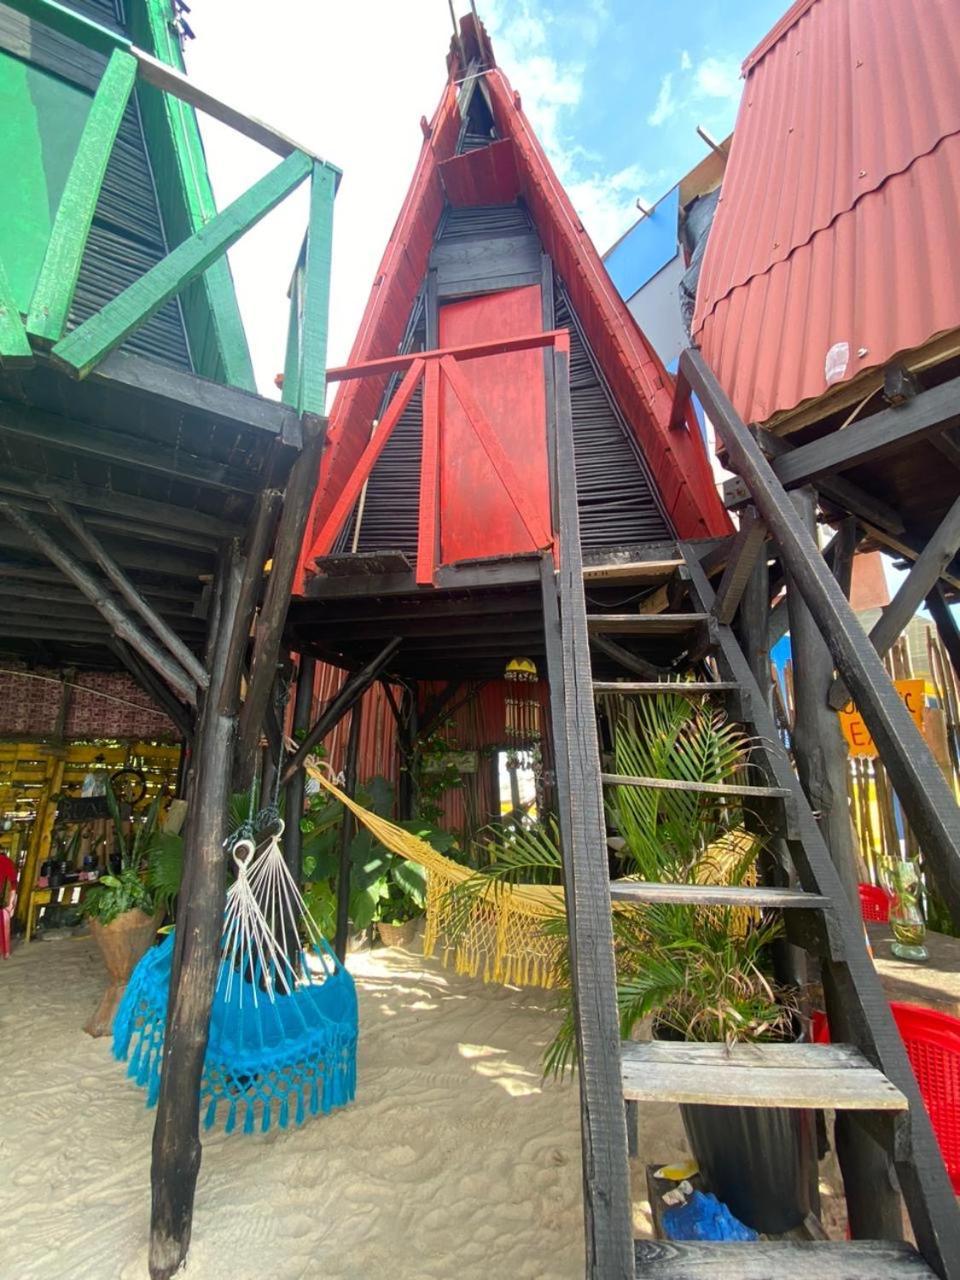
x,y
906,919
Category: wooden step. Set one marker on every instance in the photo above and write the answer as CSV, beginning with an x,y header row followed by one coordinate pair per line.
x,y
779,1260
646,624
756,1075
685,688
707,788
758,898
651,571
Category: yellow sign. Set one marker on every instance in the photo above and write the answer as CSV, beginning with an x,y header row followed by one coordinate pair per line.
x,y
859,741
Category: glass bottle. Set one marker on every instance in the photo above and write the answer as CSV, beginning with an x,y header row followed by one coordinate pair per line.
x,y
906,918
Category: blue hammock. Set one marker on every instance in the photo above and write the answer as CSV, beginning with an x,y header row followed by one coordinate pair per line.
x,y
295,1052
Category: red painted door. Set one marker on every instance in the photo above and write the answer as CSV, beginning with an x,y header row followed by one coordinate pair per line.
x,y
477,517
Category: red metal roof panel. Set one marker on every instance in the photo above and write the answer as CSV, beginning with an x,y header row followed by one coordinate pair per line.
x,y
836,202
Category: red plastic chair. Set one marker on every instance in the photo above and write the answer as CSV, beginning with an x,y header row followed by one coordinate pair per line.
x,y
932,1041
874,903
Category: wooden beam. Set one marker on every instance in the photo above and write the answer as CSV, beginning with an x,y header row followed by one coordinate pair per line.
x,y
946,625
749,544
67,22
53,293
176,1134
624,658
473,351
295,795
842,548
368,459
428,529
15,349
312,388
122,625
606,1174
681,402
346,833
15,571
913,590
496,454
276,601
870,439
170,80
70,437
339,705
84,348
816,737
921,788
256,553
115,575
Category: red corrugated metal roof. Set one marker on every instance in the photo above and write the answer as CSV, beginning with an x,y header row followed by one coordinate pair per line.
x,y
840,211
645,391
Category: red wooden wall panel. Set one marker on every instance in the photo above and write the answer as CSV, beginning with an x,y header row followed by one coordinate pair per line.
x,y
477,516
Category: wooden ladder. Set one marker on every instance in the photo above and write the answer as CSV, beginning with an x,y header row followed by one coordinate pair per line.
x,y
884,1136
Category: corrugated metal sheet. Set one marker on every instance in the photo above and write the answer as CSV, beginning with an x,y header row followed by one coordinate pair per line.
x,y
840,212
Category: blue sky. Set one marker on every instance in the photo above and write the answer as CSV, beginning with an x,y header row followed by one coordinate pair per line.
x,y
614,88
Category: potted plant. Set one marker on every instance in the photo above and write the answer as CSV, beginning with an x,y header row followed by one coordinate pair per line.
x,y
126,906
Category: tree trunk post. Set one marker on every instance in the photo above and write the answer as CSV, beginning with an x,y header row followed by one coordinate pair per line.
x,y
297,786
346,833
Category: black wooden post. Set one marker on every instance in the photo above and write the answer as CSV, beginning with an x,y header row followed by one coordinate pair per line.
x,y
296,787
346,833
818,744
923,791
176,1135
946,625
407,746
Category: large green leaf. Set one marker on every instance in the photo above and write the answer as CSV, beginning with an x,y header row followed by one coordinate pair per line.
x,y
412,879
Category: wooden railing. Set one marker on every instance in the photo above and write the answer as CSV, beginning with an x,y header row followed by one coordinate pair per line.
x,y
84,347
432,367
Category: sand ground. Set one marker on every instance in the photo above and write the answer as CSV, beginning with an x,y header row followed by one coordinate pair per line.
x,y
455,1160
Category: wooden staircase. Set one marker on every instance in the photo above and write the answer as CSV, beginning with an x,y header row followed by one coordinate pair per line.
x,y
884,1136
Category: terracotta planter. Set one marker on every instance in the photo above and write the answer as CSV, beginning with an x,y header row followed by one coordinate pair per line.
x,y
122,943
398,935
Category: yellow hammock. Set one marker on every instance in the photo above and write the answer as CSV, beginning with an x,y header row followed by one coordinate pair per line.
x,y
504,940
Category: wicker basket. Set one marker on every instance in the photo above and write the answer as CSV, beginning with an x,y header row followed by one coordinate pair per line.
x,y
398,935
121,943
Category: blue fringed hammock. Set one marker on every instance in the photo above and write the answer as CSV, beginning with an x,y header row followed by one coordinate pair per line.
x,y
283,1035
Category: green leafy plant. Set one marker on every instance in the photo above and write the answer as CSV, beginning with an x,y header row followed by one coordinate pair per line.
x,y
383,886
151,862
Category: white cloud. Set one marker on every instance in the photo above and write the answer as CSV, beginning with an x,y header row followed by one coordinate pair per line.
x,y
607,204
665,105
686,62
718,78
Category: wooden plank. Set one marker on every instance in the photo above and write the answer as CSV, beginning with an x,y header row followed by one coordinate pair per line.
x,y
632,570
312,391
53,294
778,1259
428,533
474,351
606,1178
709,895
927,800
495,453
913,590
873,438
624,658
685,688
645,624
15,349
946,625
748,545
114,574
706,788
83,348
756,1075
